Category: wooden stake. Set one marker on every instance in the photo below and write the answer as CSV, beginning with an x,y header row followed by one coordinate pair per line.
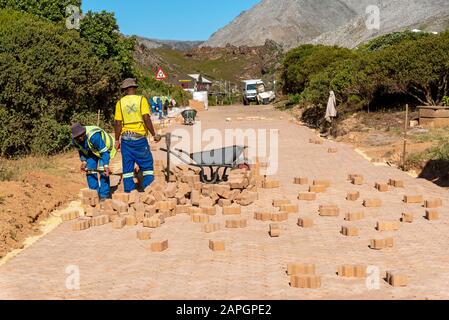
x,y
405,137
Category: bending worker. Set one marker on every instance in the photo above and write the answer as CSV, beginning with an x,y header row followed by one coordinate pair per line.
x,y
96,149
132,123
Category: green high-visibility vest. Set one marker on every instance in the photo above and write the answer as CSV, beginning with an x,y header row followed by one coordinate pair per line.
x,y
107,138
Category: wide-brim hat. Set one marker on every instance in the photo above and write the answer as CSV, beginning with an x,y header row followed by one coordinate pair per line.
x,y
129,83
78,130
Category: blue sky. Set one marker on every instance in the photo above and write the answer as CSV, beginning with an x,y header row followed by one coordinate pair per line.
x,y
171,19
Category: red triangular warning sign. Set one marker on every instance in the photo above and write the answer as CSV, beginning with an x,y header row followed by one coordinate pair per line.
x,y
160,75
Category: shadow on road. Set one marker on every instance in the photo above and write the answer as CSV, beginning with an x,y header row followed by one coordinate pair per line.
x,y
436,171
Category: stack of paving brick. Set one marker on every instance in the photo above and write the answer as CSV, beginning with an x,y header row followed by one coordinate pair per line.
x,y
186,194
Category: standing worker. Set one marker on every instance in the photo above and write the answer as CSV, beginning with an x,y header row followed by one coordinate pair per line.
x,y
96,149
132,123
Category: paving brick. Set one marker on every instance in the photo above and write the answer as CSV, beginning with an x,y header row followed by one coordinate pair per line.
x,y
300,268
224,203
380,244
210,227
233,210
349,231
119,223
381,187
432,215
152,222
413,199
170,190
305,281
326,183
81,224
159,196
222,190
332,150
354,216
281,202
351,271
388,226
216,245
357,180
407,217
106,205
353,196
90,197
99,220
301,181
182,209
92,212
150,210
121,196
307,196
206,202
236,223
396,279
211,211
134,197
119,206
305,222
246,198
163,206
131,220
372,203
396,183
271,184
279,216
433,203
329,211
317,189
289,208
70,215
194,210
315,141
275,230
143,234
159,246
195,197
148,199
262,216
200,218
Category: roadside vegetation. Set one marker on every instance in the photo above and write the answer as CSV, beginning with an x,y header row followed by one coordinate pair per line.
x,y
386,73
51,76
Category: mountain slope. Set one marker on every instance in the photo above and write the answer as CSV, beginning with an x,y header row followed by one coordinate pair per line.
x,y
340,22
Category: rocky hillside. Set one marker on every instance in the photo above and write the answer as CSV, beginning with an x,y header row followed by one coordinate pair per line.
x,y
340,22
169,44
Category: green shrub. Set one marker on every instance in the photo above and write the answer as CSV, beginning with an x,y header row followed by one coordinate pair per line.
x,y
446,101
49,136
48,71
54,10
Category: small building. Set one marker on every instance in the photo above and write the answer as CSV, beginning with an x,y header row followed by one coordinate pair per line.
x,y
195,83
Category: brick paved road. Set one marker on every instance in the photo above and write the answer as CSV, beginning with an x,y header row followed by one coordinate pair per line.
x,y
113,264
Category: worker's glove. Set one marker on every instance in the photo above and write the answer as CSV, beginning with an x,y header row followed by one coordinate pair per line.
x,y
157,137
117,145
107,171
83,167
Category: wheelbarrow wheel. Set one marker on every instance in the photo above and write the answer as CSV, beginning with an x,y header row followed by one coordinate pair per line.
x,y
205,179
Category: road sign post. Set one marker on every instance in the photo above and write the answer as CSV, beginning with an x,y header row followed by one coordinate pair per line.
x,y
161,75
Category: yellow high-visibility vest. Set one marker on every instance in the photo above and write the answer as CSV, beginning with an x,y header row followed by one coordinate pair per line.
x,y
107,138
131,108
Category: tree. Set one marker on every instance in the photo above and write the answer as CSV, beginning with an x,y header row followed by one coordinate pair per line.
x,y
102,32
48,74
54,10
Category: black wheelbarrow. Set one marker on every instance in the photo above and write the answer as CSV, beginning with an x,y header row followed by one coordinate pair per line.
x,y
224,158
189,117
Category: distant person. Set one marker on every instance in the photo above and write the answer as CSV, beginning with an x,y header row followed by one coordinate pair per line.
x,y
96,149
166,105
173,103
132,123
331,114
